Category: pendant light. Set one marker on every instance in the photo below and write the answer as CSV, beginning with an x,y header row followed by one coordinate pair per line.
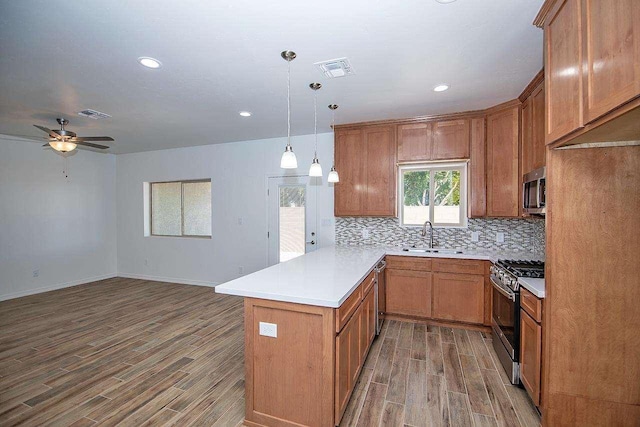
x,y
333,174
315,169
288,160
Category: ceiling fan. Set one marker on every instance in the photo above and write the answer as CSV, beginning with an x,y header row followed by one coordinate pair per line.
x,y
64,140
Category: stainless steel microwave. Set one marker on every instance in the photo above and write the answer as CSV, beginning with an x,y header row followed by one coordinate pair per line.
x,y
534,192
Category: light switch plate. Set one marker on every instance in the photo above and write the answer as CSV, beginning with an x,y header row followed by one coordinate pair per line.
x,y
500,237
475,236
269,329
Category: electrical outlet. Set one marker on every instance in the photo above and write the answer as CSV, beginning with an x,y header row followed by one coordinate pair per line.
x,y
269,329
240,270
36,273
500,237
475,236
365,233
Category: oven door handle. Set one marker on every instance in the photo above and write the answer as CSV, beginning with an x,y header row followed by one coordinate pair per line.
x,y
498,288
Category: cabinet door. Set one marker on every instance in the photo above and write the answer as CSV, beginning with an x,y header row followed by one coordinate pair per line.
x,y
414,142
380,167
347,362
409,292
563,69
458,297
611,40
350,191
367,324
450,140
530,355
503,177
533,145
477,170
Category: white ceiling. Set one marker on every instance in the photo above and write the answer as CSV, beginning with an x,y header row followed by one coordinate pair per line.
x,y
220,57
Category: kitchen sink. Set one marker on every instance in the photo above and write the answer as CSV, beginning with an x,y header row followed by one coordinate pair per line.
x,y
432,251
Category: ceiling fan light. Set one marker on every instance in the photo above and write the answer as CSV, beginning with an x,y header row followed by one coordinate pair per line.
x,y
333,175
315,169
62,146
288,160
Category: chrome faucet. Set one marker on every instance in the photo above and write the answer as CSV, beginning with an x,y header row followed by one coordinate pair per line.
x,y
423,233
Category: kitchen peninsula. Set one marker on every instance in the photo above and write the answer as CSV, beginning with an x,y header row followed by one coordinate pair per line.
x,y
310,322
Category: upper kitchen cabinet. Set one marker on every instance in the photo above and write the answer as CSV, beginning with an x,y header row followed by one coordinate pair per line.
x,y
366,161
434,140
533,146
477,170
503,176
592,68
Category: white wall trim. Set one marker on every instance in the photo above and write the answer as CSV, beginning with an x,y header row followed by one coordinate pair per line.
x,y
169,279
56,286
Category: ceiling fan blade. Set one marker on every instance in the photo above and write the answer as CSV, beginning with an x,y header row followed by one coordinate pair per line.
x,y
88,144
92,138
52,133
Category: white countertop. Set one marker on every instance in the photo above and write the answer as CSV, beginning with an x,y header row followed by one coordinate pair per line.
x,y
535,286
327,276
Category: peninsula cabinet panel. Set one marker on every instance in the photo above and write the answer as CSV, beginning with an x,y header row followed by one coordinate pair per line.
x,y
458,297
503,176
533,145
408,292
350,191
367,324
380,167
450,140
414,142
563,65
477,170
611,39
347,362
530,355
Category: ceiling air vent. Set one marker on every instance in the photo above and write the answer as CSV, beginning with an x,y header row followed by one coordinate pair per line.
x,y
335,68
93,114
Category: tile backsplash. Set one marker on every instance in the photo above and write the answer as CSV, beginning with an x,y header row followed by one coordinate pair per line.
x,y
525,235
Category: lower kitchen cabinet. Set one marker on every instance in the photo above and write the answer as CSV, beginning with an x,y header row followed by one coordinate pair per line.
x,y
531,345
409,292
458,297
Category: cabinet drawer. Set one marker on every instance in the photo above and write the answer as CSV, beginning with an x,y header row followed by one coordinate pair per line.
x,y
531,304
408,263
368,283
344,312
463,266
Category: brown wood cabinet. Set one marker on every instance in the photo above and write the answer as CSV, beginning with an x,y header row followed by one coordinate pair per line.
x,y
408,292
437,288
366,161
592,52
503,176
477,170
530,355
458,297
435,140
533,145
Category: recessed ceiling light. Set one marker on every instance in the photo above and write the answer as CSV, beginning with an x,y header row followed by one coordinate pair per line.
x,y
245,113
441,87
445,1
149,62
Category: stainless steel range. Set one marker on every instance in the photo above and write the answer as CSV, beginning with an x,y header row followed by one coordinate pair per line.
x,y
505,317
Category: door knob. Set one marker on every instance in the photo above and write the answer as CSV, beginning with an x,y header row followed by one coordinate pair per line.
x,y
313,242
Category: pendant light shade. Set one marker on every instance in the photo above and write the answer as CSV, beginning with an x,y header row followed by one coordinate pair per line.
x,y
333,174
62,146
315,170
288,160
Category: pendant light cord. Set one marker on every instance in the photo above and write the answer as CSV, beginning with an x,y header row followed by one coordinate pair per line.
x,y
288,103
315,122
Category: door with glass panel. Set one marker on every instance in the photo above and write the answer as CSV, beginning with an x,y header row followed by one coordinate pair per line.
x,y
292,218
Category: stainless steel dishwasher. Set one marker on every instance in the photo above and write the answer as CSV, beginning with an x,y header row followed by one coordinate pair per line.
x,y
381,304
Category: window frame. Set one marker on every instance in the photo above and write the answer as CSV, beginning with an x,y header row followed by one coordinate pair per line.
x,y
432,167
181,182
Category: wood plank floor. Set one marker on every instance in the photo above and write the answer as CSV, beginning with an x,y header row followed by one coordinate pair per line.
x,y
140,353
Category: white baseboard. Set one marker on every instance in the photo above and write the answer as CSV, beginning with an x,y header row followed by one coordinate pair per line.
x,y
169,279
56,286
